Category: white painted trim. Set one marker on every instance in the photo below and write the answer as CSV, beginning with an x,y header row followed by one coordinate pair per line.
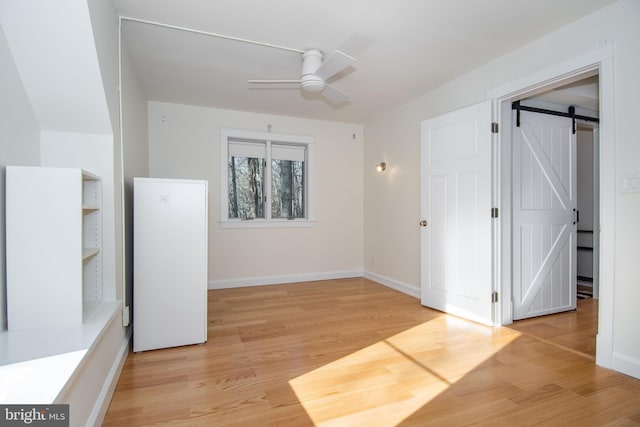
x,y
598,61
227,133
606,279
312,277
106,308
504,308
106,393
595,131
604,350
276,280
405,288
555,75
626,364
123,202
596,212
496,223
268,138
272,223
63,364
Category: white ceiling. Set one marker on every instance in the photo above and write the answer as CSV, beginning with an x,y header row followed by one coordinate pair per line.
x,y
583,93
404,48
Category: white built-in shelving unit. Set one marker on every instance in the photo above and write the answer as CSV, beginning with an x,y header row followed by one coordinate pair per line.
x,y
54,237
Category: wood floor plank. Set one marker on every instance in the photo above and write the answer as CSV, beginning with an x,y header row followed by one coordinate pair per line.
x,y
355,353
575,330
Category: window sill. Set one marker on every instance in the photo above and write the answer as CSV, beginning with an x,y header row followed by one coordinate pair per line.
x,y
273,223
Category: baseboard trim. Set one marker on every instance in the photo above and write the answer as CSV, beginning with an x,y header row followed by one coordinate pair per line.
x,y
104,398
604,351
405,288
626,364
275,280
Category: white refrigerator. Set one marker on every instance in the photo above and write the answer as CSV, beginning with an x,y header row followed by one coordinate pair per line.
x,y
170,263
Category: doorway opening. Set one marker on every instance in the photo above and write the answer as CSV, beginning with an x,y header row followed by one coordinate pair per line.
x,y
496,230
555,215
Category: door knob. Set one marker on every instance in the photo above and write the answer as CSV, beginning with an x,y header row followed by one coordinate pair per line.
x,y
423,223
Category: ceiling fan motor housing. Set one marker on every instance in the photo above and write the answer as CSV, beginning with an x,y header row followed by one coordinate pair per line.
x,y
311,62
316,70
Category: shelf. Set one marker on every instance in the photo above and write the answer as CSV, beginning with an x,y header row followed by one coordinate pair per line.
x,y
585,279
52,294
89,307
90,208
89,252
88,176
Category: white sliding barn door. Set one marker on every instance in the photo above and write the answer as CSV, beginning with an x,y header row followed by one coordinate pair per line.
x,y
456,240
544,216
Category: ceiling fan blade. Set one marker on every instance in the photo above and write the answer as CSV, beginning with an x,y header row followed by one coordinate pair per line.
x,y
335,63
335,95
274,81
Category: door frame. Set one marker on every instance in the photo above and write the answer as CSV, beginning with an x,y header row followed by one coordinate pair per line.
x,y
598,61
595,133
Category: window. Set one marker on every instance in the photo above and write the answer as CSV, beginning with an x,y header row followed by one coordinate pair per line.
x,y
246,179
265,179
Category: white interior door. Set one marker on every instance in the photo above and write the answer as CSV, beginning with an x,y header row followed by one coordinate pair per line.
x,y
544,215
456,243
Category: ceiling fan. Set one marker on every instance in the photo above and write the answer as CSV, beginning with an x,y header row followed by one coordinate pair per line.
x,y
315,69
315,72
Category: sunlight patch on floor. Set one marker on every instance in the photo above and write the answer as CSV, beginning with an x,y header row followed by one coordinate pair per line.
x,y
386,382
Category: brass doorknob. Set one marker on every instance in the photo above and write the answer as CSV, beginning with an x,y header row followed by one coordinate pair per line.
x,y
423,223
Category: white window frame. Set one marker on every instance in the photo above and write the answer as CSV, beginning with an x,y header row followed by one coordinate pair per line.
x,y
229,135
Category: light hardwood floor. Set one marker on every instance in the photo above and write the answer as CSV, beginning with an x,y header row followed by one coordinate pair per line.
x,y
574,330
355,353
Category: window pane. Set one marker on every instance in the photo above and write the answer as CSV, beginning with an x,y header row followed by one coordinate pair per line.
x,y
287,189
246,185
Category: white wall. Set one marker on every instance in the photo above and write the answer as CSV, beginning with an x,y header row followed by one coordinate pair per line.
x,y
55,52
93,153
134,121
53,47
392,199
184,143
66,60
391,232
136,153
19,144
103,21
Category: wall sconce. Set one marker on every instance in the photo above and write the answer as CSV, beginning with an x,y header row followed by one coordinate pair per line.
x,y
381,167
